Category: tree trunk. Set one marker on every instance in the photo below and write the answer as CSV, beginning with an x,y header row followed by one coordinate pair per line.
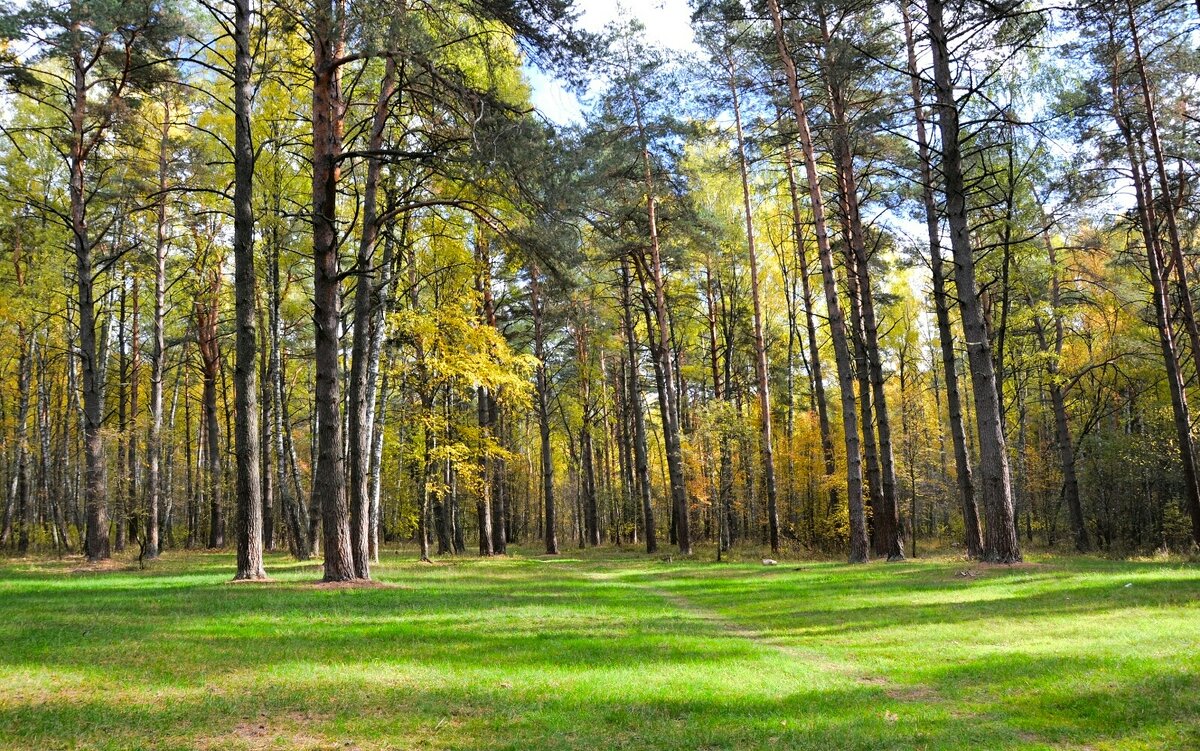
x,y
24,486
1000,544
95,491
249,528
1177,264
158,364
941,302
640,462
210,355
329,483
859,543
760,347
889,534
1162,308
810,324
361,401
131,443
662,351
486,403
543,410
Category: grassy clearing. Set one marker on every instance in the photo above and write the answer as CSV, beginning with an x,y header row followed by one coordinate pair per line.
x,y
602,651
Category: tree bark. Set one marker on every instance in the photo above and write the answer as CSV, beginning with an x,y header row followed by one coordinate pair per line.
x,y
361,415
760,347
1148,221
941,302
210,356
1000,544
158,364
662,351
889,534
247,445
810,324
640,462
859,544
329,483
543,410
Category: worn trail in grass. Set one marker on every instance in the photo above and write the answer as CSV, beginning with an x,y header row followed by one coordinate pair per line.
x,y
607,651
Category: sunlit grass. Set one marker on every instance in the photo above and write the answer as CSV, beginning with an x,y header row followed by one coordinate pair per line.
x,y
603,650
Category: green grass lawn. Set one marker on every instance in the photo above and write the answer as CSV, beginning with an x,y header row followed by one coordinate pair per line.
x,y
606,650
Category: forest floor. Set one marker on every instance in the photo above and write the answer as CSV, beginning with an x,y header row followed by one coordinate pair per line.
x,y
601,650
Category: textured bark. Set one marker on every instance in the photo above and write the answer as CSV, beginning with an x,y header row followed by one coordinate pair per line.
x,y
543,411
640,463
662,351
329,483
1000,544
1056,387
941,302
486,402
889,535
131,441
862,373
24,485
158,351
210,358
95,485
591,513
287,475
760,348
377,436
249,528
810,325
1148,221
859,543
1177,263
361,414
123,479
720,393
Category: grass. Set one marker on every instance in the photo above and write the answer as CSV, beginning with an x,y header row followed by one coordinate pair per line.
x,y
605,650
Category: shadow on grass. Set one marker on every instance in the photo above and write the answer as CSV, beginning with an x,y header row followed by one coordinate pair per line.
x,y
519,655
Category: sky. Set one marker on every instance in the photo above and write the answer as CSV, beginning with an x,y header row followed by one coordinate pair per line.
x,y
666,21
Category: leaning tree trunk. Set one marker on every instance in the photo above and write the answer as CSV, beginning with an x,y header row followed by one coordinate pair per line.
x,y
1165,199
1148,221
814,349
859,544
1000,544
888,533
941,302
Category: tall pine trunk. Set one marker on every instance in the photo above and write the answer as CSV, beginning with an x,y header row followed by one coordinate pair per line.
x,y
329,482
543,411
859,543
1000,544
249,527
941,303
760,347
